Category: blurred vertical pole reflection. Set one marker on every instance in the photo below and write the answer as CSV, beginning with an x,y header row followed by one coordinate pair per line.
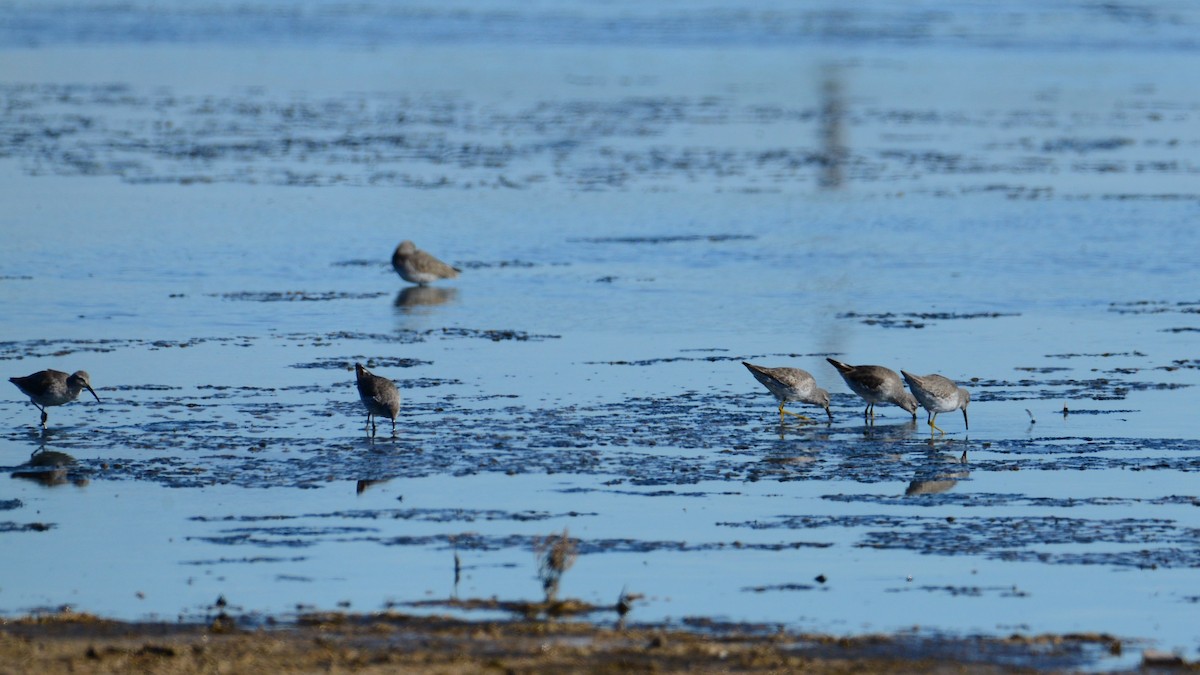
x,y
832,128
833,154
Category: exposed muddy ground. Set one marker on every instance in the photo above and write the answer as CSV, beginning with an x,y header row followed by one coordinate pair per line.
x,y
393,642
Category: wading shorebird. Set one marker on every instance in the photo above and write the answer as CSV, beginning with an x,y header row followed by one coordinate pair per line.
x,y
938,394
53,387
418,267
379,395
791,384
876,384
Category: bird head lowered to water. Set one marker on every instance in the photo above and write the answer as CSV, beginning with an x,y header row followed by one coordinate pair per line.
x,y
80,380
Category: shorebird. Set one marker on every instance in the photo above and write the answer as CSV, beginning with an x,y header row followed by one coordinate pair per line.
x,y
876,384
379,395
791,384
938,394
418,267
53,387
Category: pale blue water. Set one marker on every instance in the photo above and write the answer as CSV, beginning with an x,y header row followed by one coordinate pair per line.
x,y
200,207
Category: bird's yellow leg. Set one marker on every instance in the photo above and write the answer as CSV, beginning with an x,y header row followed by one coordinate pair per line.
x,y
783,412
933,426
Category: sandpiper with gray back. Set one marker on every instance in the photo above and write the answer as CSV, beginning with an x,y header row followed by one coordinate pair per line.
x,y
791,384
53,387
876,384
379,395
418,267
938,394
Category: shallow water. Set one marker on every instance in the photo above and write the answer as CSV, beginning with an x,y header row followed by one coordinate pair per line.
x,y
204,224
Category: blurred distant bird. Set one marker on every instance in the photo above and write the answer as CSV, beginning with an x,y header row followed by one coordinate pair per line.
x,y
876,384
418,267
379,395
53,387
938,394
791,384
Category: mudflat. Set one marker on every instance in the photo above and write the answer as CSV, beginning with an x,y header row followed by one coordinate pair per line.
x,y
394,642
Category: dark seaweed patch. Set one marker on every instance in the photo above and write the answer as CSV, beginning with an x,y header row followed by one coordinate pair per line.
x,y
451,142
496,335
966,591
374,362
1103,355
1085,145
885,320
9,526
502,264
296,296
668,359
1154,307
916,319
471,541
667,239
360,262
44,348
418,515
460,264
399,336
710,359
778,587
1125,27
712,437
246,560
1161,543
649,493
992,500
293,537
1097,389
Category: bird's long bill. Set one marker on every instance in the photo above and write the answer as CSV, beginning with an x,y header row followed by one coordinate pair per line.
x,y
829,412
968,426
93,392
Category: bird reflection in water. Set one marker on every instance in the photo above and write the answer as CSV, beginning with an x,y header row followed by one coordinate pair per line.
x,y
936,480
424,296
51,468
889,432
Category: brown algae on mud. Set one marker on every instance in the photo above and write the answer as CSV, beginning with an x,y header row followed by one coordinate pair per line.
x,y
394,642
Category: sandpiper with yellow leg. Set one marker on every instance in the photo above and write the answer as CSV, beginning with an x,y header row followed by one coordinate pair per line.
x,y
938,394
